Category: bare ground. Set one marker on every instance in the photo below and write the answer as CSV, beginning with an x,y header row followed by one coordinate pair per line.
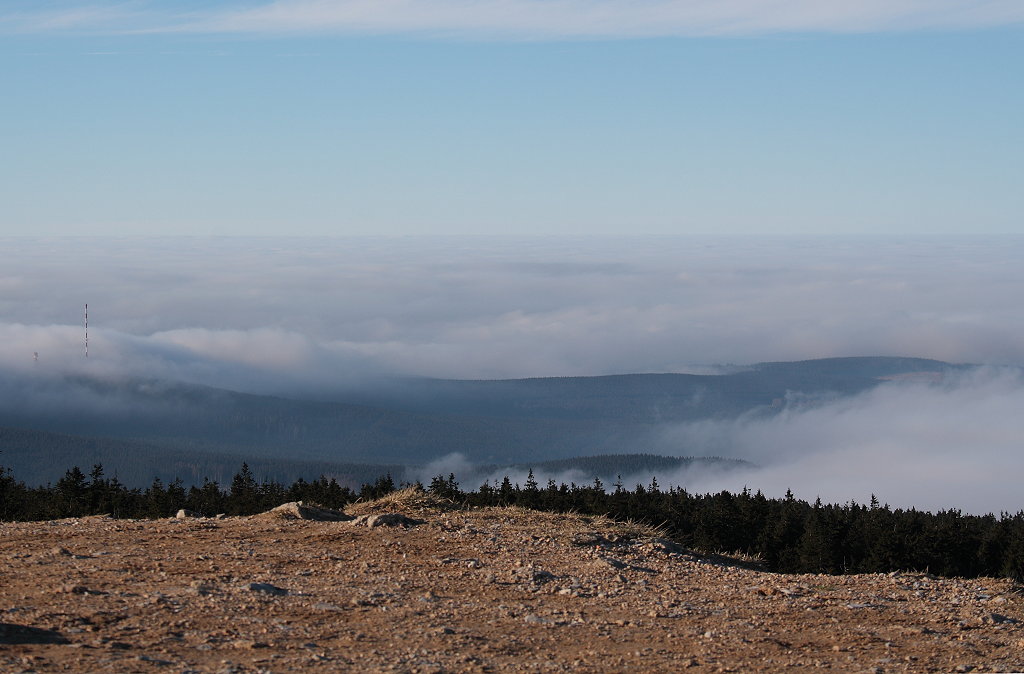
x,y
477,590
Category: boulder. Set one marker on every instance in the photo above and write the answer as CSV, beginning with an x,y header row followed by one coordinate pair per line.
x,y
297,510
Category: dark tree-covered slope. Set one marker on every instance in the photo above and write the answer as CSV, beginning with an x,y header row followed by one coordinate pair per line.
x,y
413,421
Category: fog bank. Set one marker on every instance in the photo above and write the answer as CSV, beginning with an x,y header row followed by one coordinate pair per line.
x,y
266,314
956,444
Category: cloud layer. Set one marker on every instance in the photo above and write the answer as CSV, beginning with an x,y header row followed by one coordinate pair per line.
x,y
954,445
520,19
306,316
260,313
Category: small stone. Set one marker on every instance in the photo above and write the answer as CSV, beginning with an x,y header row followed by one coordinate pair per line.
x,y
540,576
614,563
997,619
184,514
201,588
267,588
63,552
385,520
71,588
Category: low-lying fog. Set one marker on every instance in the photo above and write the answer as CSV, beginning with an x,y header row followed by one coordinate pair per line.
x,y
957,444
307,316
931,446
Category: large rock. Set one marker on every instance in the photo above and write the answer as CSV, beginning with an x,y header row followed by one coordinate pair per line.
x,y
297,510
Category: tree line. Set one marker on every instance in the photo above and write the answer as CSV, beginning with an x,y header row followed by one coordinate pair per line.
x,y
787,534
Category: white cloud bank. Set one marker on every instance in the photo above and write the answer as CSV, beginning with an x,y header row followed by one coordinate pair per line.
x,y
520,19
959,445
259,313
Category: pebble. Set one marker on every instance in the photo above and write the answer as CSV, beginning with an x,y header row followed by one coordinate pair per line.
x,y
267,588
385,520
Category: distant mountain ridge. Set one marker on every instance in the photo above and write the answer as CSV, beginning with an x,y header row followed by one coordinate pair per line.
x,y
408,421
650,398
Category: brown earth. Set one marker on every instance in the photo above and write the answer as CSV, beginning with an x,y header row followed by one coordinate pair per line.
x,y
476,590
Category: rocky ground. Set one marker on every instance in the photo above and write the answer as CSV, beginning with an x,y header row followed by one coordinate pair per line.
x,y
481,590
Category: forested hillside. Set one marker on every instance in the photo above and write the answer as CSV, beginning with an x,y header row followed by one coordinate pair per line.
x,y
139,429
39,457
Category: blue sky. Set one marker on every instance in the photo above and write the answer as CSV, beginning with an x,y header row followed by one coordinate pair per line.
x,y
523,116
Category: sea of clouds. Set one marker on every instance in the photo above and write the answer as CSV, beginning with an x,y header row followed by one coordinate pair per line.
x,y
309,316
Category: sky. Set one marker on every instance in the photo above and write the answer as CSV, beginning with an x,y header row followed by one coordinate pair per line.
x,y
564,117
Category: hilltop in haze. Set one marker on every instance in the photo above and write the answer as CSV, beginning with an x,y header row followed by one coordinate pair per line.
x,y
417,428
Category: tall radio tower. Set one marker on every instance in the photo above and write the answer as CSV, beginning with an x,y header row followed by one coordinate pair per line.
x,y
86,329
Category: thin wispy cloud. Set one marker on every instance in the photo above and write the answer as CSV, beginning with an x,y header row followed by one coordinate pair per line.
x,y
71,17
522,19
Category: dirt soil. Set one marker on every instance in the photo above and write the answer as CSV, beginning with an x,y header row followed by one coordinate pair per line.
x,y
478,590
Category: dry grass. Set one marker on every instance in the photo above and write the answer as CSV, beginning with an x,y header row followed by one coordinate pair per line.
x,y
414,500
409,500
574,525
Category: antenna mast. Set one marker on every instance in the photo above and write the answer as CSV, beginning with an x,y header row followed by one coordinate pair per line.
x,y
86,329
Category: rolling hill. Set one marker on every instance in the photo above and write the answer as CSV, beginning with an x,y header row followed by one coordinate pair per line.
x,y
142,428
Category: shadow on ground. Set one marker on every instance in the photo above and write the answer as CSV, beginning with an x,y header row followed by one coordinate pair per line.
x,y
23,634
